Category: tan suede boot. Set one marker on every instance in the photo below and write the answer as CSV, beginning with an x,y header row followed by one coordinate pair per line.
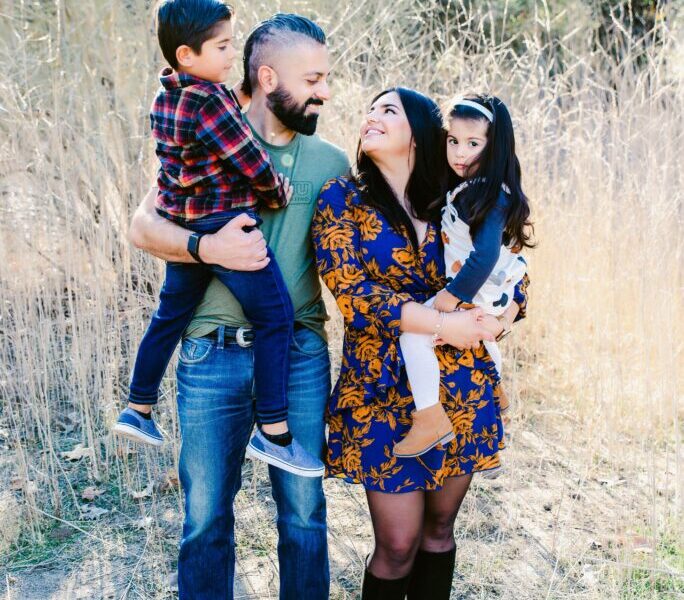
x,y
431,426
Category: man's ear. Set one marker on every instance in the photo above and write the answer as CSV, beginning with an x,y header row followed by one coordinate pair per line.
x,y
185,56
268,78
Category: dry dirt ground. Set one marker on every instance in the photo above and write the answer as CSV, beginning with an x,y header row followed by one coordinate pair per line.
x,y
567,517
554,524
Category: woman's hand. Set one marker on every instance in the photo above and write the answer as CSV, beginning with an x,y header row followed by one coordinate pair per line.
x,y
464,330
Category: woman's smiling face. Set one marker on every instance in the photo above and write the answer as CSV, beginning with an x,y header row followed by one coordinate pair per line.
x,y
385,128
466,140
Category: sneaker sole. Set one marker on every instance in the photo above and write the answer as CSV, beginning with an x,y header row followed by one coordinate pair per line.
x,y
443,440
253,452
123,430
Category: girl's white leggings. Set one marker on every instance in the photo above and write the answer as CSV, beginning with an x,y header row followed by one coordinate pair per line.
x,y
422,366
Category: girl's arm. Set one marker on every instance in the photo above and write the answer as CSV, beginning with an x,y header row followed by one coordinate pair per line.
x,y
482,260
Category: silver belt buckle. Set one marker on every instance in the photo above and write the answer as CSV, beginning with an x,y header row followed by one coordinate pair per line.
x,y
240,337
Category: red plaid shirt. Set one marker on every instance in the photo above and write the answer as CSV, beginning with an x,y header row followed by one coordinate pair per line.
x,y
210,160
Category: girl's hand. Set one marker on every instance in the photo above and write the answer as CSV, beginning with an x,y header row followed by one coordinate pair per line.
x,y
445,301
492,324
464,330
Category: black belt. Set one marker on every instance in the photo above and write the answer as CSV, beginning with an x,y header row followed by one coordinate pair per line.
x,y
243,336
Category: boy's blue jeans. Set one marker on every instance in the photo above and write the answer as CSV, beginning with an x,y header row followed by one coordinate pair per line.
x,y
265,301
216,414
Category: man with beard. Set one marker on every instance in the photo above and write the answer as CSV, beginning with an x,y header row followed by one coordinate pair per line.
x,y
286,67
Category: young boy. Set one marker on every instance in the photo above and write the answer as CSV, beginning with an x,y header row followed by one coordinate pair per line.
x,y
212,169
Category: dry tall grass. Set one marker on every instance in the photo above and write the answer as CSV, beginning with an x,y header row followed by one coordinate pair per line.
x,y
591,503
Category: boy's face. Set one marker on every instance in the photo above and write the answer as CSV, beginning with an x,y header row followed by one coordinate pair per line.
x,y
216,56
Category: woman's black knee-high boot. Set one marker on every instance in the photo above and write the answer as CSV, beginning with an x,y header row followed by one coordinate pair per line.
x,y
432,575
375,588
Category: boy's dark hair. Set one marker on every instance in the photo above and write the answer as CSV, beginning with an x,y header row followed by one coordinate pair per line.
x,y
498,164
271,31
188,23
425,181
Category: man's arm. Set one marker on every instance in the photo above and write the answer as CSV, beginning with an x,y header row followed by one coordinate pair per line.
x,y
230,247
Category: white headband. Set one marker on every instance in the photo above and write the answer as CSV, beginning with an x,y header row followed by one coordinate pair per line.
x,y
486,112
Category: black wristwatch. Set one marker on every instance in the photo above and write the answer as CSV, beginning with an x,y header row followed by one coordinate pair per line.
x,y
193,246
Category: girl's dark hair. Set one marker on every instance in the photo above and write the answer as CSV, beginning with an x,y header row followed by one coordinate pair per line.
x,y
426,182
497,165
188,23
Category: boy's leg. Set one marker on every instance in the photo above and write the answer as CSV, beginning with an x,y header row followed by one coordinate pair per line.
x,y
216,414
183,288
266,303
302,541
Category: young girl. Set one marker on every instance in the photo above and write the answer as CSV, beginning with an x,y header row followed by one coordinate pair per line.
x,y
484,226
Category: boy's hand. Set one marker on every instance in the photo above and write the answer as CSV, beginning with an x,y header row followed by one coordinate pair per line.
x,y
242,98
445,301
288,189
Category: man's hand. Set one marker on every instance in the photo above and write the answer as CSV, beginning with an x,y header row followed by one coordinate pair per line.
x,y
445,301
233,248
230,247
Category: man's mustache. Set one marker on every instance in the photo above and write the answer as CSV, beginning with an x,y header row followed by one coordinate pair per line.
x,y
316,101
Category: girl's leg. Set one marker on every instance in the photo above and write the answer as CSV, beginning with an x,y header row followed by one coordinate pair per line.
x,y
397,524
422,368
431,425
433,568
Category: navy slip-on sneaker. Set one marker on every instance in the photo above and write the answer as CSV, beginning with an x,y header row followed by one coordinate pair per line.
x,y
292,458
131,425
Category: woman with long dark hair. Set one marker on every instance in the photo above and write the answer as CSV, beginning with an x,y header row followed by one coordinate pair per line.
x,y
379,252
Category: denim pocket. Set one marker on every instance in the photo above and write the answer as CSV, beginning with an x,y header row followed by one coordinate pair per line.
x,y
195,350
308,342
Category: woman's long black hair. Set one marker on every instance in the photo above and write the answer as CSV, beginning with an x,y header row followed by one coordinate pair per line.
x,y
426,182
497,165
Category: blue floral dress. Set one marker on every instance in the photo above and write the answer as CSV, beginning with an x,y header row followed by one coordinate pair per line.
x,y
372,270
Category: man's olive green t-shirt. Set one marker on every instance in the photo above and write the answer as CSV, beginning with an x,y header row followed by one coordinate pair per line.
x,y
309,162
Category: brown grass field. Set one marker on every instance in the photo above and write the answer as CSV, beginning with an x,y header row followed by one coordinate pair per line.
x,y
591,501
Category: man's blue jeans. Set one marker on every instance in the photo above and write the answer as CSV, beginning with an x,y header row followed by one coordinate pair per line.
x,y
216,413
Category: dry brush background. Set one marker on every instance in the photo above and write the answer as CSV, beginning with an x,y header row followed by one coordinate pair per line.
x,y
590,503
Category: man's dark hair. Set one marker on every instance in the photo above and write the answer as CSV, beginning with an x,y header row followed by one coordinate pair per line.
x,y
188,23
275,30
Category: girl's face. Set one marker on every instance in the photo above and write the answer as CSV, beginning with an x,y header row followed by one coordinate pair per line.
x,y
385,129
466,140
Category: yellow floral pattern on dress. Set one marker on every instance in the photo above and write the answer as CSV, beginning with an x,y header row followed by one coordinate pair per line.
x,y
372,270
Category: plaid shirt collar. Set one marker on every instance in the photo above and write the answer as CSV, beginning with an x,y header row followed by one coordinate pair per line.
x,y
172,80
